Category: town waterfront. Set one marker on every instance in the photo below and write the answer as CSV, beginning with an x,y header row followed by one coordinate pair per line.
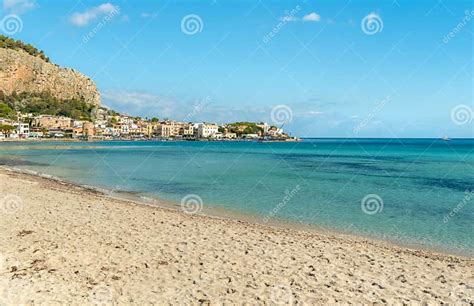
x,y
410,191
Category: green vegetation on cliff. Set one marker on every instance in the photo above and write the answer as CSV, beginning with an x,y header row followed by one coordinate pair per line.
x,y
44,104
9,43
244,128
6,111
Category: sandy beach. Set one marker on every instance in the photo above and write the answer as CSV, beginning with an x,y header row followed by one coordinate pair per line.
x,y
64,244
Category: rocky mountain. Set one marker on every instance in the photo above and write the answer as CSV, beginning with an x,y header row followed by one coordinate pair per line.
x,y
24,71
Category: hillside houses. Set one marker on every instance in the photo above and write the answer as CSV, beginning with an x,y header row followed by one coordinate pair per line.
x,y
110,125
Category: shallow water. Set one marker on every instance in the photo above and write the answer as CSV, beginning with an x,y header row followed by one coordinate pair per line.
x,y
417,191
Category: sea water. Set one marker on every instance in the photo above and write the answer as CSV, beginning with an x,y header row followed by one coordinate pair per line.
x,y
411,191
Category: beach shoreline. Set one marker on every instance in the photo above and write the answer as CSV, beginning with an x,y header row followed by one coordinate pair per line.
x,y
223,213
96,236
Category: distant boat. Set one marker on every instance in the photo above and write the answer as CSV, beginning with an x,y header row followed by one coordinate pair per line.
x,y
446,138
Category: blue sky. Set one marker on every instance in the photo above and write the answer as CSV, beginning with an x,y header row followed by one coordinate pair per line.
x,y
343,68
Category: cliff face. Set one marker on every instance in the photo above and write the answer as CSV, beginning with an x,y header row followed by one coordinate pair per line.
x,y
22,72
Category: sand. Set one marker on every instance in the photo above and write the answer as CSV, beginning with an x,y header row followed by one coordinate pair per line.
x,y
64,244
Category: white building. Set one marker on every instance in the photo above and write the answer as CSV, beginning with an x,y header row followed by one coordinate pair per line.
x,y
250,136
22,129
110,132
265,127
217,136
275,132
205,130
77,124
230,135
101,124
124,129
126,120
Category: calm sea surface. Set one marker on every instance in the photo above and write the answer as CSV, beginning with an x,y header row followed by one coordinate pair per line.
x,y
415,191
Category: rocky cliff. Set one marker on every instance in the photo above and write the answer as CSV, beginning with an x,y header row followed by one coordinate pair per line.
x,y
22,72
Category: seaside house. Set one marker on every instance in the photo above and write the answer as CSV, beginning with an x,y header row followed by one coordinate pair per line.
x,y
264,126
35,134
55,133
22,129
205,130
101,114
77,131
146,129
125,120
274,131
82,129
230,135
135,131
110,132
124,129
217,136
165,129
250,136
186,130
88,129
52,122
101,124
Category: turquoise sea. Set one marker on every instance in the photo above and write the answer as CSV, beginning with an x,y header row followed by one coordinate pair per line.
x,y
411,191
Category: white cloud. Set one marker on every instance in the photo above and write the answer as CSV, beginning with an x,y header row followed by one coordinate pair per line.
x,y
209,109
18,6
187,108
139,103
312,17
83,19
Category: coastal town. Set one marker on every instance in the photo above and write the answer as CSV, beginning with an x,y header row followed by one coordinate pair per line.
x,y
110,125
40,100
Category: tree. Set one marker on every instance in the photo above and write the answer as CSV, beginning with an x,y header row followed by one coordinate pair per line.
x,y
46,104
6,111
248,130
6,129
8,43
